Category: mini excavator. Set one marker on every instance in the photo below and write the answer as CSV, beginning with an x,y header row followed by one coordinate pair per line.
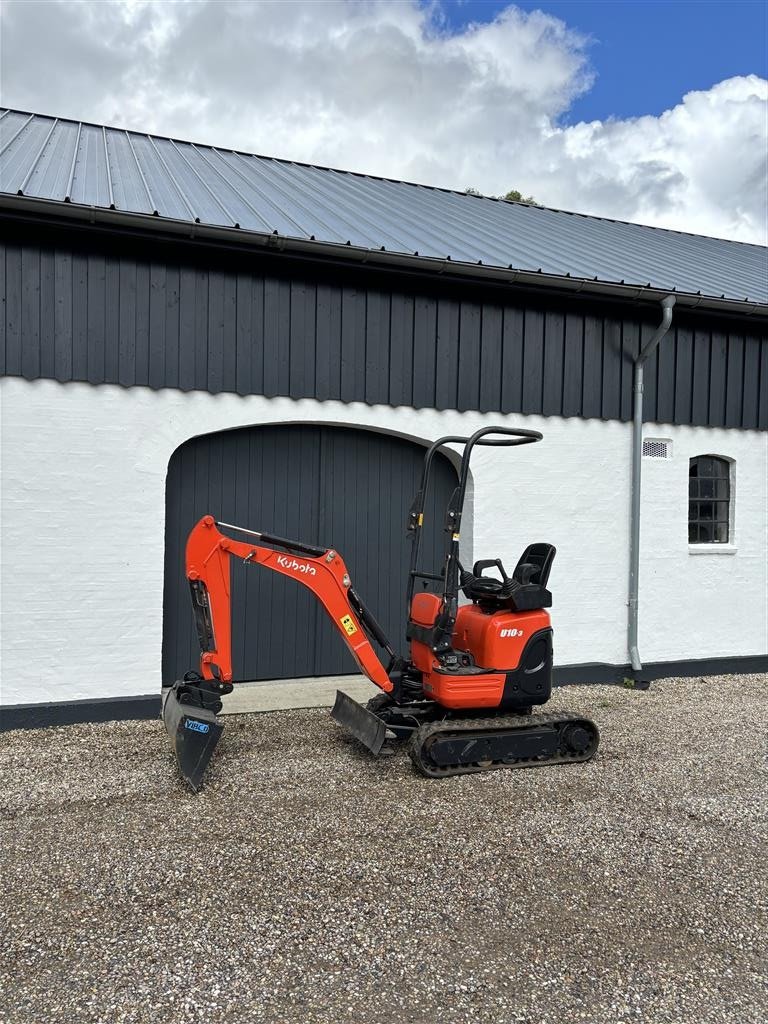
x,y
462,699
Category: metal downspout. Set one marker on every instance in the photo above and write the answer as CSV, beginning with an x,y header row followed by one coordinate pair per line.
x,y
637,458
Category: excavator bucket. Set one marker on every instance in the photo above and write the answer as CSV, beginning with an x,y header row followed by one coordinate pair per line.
x,y
359,721
193,732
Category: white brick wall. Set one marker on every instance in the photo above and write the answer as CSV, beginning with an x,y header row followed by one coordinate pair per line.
x,y
82,472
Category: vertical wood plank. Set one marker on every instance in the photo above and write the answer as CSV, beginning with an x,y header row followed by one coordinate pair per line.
x,y
592,372
172,320
244,333
682,392
424,352
377,338
552,395
400,390
612,356
513,346
229,333
700,399
30,312
533,361
446,381
723,365
47,313
63,316
468,363
490,361
573,365
96,317
79,317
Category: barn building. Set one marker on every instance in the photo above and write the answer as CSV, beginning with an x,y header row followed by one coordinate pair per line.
x,y
188,329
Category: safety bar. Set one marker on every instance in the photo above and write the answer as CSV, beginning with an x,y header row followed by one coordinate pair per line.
x,y
510,437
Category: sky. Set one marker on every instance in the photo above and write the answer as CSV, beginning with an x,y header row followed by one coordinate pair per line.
x,y
642,111
647,55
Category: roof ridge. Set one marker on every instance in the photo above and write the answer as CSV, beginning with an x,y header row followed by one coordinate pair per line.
x,y
379,177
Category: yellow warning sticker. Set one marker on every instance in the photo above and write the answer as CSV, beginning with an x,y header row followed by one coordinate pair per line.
x,y
421,518
348,624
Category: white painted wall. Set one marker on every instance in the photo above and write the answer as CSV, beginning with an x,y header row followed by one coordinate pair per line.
x,y
717,593
82,473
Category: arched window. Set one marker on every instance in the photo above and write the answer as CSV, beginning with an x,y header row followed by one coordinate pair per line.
x,y
709,500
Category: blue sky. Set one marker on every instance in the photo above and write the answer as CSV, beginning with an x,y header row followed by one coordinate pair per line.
x,y
648,54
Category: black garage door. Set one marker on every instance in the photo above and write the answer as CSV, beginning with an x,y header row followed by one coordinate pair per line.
x,y
343,488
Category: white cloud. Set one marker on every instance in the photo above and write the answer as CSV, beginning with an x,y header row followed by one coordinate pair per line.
x,y
383,87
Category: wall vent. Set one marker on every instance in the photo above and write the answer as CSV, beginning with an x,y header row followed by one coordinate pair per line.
x,y
657,449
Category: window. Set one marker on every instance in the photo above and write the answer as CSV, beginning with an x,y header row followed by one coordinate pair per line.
x,y
709,499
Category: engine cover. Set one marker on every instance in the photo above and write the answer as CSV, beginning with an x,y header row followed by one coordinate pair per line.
x,y
497,639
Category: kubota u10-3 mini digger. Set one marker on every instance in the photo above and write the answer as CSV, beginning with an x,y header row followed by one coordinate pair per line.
x,y
463,698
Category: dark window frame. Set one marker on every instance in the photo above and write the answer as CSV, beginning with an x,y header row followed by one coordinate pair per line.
x,y
709,500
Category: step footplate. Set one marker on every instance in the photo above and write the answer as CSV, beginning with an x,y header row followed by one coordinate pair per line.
x,y
359,721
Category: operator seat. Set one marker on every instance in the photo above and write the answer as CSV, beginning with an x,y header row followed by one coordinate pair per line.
x,y
525,590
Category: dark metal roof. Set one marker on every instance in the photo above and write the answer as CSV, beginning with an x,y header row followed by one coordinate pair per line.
x,y
93,166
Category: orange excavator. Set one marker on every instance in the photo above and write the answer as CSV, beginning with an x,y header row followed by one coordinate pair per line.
x,y
462,699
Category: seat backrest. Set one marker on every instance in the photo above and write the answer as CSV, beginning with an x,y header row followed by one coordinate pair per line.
x,y
541,557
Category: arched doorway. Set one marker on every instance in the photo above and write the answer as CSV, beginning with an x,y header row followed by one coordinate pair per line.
x,y
335,486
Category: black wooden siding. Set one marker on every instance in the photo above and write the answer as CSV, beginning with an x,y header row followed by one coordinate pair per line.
x,y
324,485
91,316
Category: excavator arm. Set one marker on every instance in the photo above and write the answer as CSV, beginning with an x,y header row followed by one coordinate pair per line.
x,y
191,705
320,570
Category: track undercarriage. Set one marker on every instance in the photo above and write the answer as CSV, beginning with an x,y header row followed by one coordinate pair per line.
x,y
441,743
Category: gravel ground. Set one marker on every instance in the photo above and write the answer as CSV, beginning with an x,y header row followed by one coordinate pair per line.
x,y
308,883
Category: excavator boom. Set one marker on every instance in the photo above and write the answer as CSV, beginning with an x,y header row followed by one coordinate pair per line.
x,y
324,573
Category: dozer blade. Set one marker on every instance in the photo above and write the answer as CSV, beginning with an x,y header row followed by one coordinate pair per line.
x,y
194,733
359,721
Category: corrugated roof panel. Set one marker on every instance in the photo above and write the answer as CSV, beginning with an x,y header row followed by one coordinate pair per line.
x,y
130,189
168,197
138,173
225,185
198,196
20,142
50,176
90,185
332,210
269,201
412,229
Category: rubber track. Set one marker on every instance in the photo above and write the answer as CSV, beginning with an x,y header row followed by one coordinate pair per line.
x,y
419,756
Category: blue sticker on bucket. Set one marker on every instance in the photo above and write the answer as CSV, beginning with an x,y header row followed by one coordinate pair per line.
x,y
196,726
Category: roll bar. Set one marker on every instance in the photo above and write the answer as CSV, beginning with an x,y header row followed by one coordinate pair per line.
x,y
511,436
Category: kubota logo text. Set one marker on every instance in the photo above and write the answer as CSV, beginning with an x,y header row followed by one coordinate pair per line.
x,y
511,632
291,563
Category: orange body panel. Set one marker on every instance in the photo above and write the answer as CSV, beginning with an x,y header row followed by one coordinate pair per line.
x,y
457,691
496,641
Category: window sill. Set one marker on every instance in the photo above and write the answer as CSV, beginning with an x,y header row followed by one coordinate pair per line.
x,y
712,549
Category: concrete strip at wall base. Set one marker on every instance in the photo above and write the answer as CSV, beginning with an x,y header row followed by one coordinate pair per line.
x,y
287,694
292,694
